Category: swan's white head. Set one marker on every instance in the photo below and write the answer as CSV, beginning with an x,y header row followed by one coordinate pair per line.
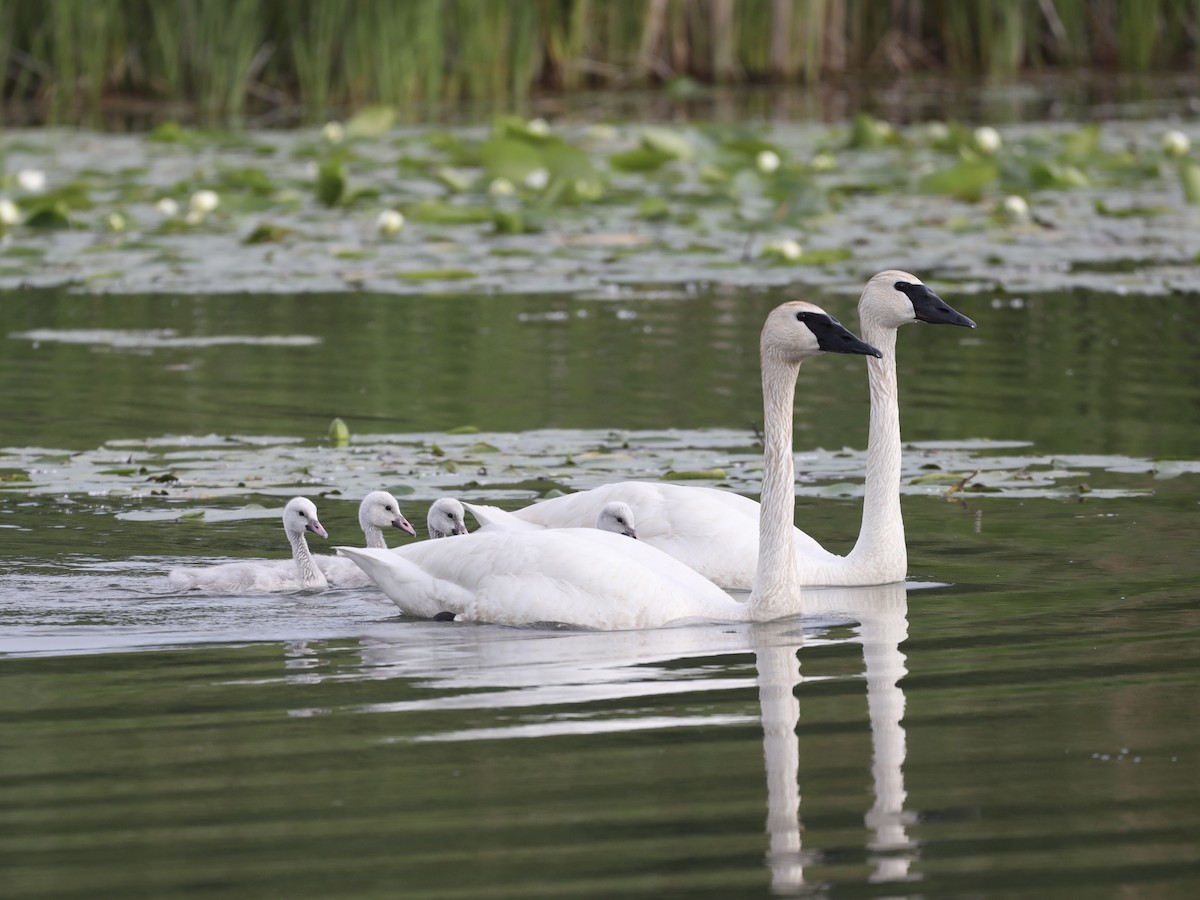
x,y
446,518
617,517
379,509
300,515
894,298
796,330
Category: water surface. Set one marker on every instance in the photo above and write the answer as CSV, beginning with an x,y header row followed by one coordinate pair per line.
x,y
1015,721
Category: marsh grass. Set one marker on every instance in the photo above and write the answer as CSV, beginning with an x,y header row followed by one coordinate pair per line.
x,y
227,56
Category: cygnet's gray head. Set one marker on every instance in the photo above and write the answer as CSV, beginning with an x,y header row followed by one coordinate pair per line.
x,y
617,517
380,509
446,518
300,515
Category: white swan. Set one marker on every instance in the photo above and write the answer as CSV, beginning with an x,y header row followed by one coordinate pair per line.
x,y
378,510
298,573
446,518
597,579
716,532
615,516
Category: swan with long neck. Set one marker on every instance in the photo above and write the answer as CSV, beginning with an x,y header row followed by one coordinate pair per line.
x,y
377,511
380,510
593,578
301,572
717,532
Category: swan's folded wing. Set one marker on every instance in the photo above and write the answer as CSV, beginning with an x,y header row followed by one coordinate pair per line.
x,y
582,577
498,519
408,585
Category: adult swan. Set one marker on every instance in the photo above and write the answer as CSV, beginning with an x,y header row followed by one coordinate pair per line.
x,y
716,532
597,579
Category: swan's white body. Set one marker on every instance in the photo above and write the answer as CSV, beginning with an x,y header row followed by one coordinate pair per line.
x,y
593,578
580,576
301,572
616,516
716,532
378,510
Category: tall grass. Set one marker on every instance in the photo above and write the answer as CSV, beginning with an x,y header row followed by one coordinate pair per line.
x,y
227,56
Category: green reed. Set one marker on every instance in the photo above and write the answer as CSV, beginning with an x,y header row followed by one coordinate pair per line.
x,y
227,56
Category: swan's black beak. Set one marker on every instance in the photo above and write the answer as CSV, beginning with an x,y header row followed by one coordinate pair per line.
x,y
833,337
929,307
403,524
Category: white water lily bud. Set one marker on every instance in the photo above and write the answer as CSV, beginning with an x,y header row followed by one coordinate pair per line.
x,y
767,161
1175,143
115,222
987,139
501,187
538,126
32,180
537,179
389,222
783,249
9,213
333,132
204,201
167,207
1015,208
194,217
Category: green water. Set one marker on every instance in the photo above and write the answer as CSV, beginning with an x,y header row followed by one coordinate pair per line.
x,y
1025,729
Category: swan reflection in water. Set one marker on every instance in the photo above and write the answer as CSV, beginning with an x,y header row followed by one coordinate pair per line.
x,y
882,614
480,667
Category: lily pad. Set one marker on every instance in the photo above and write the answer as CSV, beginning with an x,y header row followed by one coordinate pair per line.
x,y
331,183
371,122
695,475
965,181
49,217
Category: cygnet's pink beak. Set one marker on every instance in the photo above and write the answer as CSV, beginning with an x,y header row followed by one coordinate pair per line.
x,y
316,528
402,523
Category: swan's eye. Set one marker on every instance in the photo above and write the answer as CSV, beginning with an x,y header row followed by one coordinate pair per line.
x,y
388,508
303,514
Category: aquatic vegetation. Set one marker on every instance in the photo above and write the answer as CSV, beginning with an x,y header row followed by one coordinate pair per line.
x,y
228,57
519,467
565,206
389,222
339,433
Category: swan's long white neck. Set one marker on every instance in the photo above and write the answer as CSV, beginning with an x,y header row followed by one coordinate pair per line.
x,y
776,590
880,550
306,568
374,534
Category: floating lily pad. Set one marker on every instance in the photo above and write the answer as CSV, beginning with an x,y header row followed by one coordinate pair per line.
x,y
371,122
267,233
49,217
965,181
436,275
695,475
331,183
